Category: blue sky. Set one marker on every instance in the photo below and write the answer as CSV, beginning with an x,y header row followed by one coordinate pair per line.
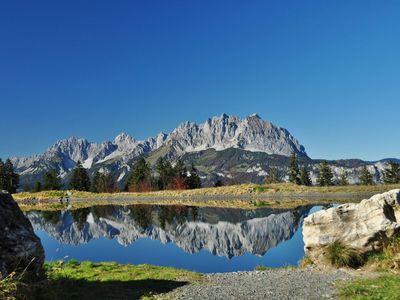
x,y
328,71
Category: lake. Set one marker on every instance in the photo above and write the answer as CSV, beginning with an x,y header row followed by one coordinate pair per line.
x,y
202,239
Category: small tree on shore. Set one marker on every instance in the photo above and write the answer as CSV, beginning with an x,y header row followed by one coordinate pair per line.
x,y
37,187
305,178
80,180
325,175
391,175
9,180
140,179
193,181
165,173
366,177
102,183
294,172
51,181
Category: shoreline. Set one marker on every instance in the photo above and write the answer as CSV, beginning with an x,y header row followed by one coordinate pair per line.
x,y
241,196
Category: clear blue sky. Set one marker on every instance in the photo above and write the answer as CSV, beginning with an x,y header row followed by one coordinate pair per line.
x,y
328,71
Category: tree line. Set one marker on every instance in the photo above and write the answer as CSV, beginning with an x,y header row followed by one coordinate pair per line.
x,y
140,178
301,176
169,177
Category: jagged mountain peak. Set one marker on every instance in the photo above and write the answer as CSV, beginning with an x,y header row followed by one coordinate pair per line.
x,y
124,140
219,133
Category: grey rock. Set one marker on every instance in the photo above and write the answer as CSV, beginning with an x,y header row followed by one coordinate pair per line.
x,y
364,226
20,248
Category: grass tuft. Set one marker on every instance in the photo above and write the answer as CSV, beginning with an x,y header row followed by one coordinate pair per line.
x,y
8,287
340,255
305,262
262,268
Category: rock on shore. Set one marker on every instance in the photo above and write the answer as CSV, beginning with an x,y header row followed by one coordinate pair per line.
x,y
20,248
364,226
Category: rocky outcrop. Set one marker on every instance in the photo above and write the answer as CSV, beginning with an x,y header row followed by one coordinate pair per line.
x,y
365,226
20,248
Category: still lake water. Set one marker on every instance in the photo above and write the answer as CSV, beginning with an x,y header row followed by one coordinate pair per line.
x,y
200,239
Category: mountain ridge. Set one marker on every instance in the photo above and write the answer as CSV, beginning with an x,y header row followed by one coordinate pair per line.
x,y
222,147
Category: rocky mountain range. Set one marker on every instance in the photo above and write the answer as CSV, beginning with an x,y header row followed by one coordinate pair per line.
x,y
224,148
222,232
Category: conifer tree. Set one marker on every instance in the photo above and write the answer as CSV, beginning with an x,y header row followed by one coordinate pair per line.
x,y
193,181
165,173
37,187
305,178
51,181
94,182
102,183
3,177
80,180
294,172
140,179
325,175
391,175
218,183
11,178
180,175
366,177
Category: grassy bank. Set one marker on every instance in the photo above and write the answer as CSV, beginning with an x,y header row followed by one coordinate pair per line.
x,y
87,280
233,190
385,284
237,196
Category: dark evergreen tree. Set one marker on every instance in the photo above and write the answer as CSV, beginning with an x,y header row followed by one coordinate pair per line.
x,y
325,175
51,181
294,172
274,176
140,180
193,181
80,180
391,175
305,178
94,182
180,175
11,178
3,177
343,180
102,183
218,183
180,169
165,173
366,177
37,187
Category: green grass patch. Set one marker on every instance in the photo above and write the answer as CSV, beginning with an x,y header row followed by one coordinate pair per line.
x,y
262,203
89,280
262,268
384,287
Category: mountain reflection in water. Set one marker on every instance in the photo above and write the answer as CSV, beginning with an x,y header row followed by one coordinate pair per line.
x,y
223,232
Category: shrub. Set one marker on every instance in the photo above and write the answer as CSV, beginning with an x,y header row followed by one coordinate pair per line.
x,y
340,255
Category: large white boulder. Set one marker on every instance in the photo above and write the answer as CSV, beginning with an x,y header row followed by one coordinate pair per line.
x,y
364,226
